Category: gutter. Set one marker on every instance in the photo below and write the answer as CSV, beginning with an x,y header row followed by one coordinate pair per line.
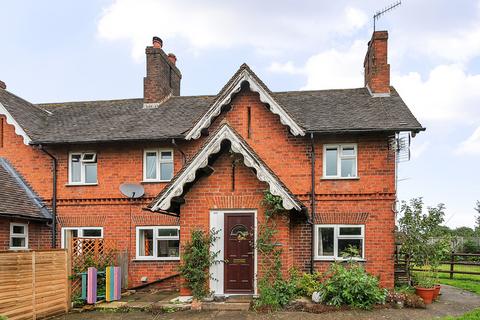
x,y
54,196
312,222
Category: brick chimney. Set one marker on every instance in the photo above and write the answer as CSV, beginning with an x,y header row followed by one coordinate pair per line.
x,y
377,69
3,85
163,77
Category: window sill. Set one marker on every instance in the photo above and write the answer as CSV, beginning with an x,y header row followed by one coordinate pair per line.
x,y
155,259
18,249
81,184
338,260
340,178
155,181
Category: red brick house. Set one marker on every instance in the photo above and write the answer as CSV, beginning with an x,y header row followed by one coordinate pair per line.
x,y
205,162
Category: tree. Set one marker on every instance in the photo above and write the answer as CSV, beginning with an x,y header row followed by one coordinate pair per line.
x,y
424,242
477,218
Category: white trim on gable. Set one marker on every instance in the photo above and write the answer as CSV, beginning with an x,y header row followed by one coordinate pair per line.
x,y
18,129
201,160
235,87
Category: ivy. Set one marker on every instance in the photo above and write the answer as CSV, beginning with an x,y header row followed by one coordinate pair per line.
x,y
274,291
197,259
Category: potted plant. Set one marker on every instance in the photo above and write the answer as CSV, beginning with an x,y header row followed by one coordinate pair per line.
x,y
425,288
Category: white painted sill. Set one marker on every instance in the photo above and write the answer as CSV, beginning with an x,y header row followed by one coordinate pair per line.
x,y
340,178
139,259
155,181
81,184
18,249
339,260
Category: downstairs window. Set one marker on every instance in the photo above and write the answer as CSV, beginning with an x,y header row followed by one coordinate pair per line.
x,y
158,243
333,241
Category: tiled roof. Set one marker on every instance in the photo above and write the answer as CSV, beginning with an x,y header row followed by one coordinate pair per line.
x,y
323,111
17,199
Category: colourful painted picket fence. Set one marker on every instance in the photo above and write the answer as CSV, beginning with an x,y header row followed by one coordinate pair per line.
x,y
113,284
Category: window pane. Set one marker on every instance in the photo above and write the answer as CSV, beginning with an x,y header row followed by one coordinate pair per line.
x,y
18,229
18,242
145,243
166,171
166,155
168,248
75,168
344,244
348,151
348,168
89,157
350,231
167,232
90,173
92,233
331,162
74,233
325,241
151,165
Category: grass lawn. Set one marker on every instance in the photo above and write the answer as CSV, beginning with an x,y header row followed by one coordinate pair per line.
x,y
472,315
467,282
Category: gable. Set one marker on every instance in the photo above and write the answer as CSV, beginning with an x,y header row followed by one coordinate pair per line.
x,y
189,172
244,74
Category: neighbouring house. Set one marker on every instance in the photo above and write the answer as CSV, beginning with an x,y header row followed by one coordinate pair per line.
x,y
205,162
25,221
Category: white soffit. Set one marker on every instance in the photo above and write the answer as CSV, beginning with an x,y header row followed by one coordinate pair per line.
x,y
18,129
234,88
201,160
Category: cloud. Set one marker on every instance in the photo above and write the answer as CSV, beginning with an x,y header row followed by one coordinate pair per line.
x,y
213,24
329,69
448,93
471,146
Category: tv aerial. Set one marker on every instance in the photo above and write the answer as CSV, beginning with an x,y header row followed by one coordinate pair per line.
x,y
132,190
380,13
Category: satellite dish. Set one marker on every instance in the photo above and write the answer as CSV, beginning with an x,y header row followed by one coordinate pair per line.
x,y
132,190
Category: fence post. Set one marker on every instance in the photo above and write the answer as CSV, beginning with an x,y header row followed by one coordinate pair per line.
x,y
452,264
34,302
68,271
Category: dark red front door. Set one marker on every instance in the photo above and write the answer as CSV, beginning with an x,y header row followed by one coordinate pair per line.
x,y
239,252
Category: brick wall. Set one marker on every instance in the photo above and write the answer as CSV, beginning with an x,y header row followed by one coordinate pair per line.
x,y
286,155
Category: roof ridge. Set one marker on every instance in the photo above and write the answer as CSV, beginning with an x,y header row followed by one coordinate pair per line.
x,y
318,90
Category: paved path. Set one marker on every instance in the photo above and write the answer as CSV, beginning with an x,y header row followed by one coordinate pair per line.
x,y
452,302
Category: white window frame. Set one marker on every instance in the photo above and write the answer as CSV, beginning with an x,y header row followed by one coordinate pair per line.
x,y
18,235
340,156
336,237
80,233
155,239
158,164
83,162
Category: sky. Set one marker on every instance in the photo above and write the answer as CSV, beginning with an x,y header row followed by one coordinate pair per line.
x,y
56,51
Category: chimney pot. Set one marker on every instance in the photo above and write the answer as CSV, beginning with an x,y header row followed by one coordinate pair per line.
x,y
157,42
172,58
3,85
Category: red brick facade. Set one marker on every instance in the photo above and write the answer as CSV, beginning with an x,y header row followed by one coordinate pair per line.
x,y
39,234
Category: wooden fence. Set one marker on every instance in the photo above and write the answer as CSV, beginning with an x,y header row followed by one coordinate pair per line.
x,y
34,284
460,263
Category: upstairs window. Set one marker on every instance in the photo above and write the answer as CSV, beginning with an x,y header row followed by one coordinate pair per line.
x,y
332,241
340,161
158,165
18,236
82,168
158,243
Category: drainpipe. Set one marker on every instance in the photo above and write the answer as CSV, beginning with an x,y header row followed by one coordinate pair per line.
x,y
312,222
54,196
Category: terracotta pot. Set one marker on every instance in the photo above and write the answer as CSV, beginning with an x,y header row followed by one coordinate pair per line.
x,y
196,305
436,292
425,293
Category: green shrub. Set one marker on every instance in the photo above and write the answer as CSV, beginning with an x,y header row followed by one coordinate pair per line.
x,y
277,294
308,284
470,247
351,285
197,259
3,317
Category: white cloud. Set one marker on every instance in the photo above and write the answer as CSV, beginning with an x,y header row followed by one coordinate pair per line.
x,y
269,27
330,69
449,93
471,145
